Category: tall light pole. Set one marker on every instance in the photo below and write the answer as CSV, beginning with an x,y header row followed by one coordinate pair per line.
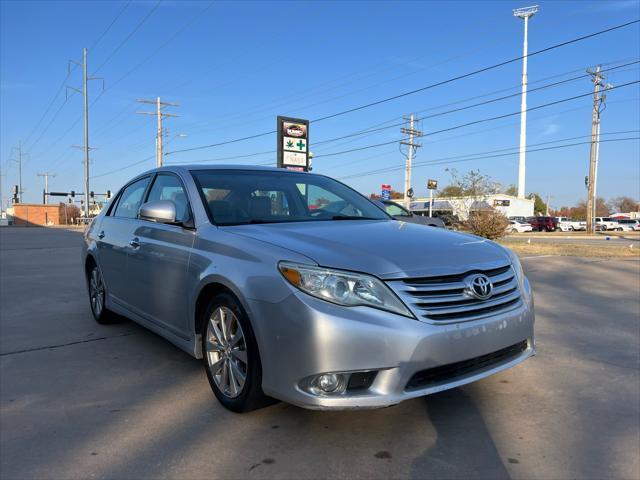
x,y
524,13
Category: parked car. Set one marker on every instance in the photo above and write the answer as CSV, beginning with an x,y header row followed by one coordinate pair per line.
x,y
400,213
516,226
520,218
566,224
628,225
451,222
605,223
283,294
548,224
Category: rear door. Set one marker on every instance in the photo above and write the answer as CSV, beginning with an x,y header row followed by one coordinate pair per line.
x,y
158,266
114,237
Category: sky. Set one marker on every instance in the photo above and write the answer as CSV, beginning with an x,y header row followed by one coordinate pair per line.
x,y
234,66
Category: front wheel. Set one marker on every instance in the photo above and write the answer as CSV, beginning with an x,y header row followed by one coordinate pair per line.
x,y
230,355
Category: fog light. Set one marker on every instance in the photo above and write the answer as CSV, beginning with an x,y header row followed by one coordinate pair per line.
x,y
325,384
329,382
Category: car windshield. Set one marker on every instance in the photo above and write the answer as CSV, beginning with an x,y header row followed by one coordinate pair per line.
x,y
240,197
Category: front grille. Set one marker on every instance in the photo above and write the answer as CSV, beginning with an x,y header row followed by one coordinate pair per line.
x,y
444,299
448,373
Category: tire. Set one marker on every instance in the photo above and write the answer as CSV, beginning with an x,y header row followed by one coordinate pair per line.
x,y
603,228
230,351
97,295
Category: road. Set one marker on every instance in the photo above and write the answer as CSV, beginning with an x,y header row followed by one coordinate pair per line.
x,y
79,400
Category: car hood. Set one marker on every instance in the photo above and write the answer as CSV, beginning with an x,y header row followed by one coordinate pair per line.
x,y
385,248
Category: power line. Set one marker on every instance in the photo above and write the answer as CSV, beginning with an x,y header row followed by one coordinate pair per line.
x,y
66,78
99,39
146,59
234,157
475,72
486,102
128,37
475,122
446,160
146,159
422,89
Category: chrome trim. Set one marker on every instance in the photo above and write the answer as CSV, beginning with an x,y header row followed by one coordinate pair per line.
x,y
449,301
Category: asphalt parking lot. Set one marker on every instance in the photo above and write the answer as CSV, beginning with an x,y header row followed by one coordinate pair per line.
x,y
80,400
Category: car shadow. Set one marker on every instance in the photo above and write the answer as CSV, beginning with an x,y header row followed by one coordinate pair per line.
x,y
464,447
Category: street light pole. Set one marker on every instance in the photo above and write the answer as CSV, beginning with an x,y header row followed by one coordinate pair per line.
x,y
524,13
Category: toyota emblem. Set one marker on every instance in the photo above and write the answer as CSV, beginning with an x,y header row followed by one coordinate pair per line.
x,y
479,286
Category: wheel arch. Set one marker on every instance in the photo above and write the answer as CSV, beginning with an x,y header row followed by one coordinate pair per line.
x,y
206,292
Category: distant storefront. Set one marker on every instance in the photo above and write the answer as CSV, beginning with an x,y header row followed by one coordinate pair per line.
x,y
463,206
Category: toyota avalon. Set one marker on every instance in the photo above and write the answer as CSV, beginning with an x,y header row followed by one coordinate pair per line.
x,y
293,286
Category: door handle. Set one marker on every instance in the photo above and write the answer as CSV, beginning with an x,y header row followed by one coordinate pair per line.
x,y
101,235
135,243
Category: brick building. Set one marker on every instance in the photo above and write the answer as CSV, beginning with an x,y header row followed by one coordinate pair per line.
x,y
35,214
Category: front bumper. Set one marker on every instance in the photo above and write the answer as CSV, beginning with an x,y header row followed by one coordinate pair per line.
x,y
303,336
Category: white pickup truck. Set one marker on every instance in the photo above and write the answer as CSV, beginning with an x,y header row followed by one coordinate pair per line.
x,y
606,223
567,224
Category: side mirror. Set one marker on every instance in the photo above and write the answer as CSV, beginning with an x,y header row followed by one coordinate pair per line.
x,y
160,211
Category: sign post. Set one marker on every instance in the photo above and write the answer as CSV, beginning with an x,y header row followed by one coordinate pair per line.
x,y
431,185
293,143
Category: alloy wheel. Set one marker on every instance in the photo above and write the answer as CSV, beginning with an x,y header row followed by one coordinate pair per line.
x,y
226,352
96,291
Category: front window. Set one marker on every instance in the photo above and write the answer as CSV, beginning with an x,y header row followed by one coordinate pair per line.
x,y
168,187
238,197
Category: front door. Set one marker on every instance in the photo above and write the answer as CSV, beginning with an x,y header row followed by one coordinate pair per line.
x,y
158,267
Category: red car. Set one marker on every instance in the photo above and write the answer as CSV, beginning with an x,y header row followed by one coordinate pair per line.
x,y
540,224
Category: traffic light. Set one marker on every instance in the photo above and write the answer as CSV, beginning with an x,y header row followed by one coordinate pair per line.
x,y
91,194
410,192
108,194
70,201
73,194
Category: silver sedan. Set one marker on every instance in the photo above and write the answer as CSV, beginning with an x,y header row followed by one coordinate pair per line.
x,y
293,286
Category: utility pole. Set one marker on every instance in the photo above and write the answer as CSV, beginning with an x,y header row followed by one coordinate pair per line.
x,y
45,194
411,132
160,114
524,13
598,106
86,148
18,160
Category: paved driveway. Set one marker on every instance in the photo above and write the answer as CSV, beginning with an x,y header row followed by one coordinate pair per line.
x,y
80,400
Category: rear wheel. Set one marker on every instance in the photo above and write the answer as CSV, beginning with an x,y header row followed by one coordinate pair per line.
x,y
97,296
230,355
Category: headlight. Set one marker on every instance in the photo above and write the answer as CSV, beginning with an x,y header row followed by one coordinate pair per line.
x,y
343,288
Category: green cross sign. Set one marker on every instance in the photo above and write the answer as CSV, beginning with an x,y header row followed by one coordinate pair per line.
x,y
300,144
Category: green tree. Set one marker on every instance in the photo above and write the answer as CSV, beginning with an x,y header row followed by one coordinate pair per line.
x,y
539,206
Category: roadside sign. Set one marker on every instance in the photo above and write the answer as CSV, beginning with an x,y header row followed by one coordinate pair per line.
x,y
386,192
293,143
432,184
